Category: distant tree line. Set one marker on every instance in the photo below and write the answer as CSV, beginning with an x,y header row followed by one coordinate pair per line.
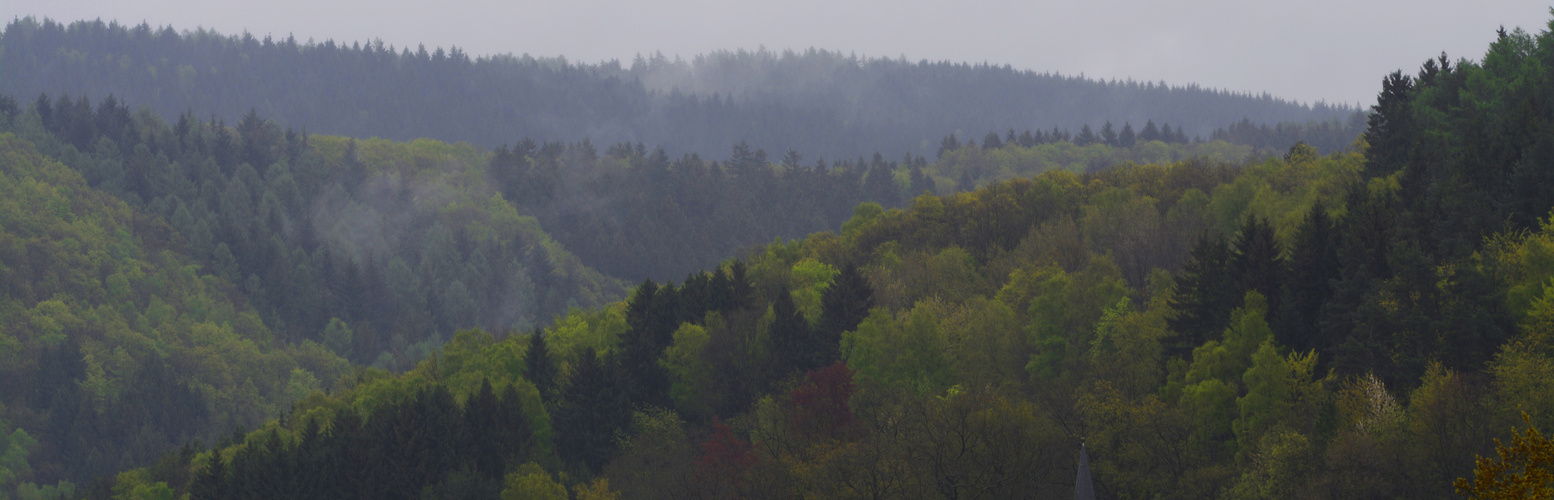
x,y
817,102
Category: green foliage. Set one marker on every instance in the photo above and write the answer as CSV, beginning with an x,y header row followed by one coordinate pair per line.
x,y
532,482
103,287
904,353
810,279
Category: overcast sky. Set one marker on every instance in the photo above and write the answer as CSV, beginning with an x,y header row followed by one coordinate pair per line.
x,y
1332,50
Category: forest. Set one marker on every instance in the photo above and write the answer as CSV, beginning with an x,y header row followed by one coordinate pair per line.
x,y
816,102
193,309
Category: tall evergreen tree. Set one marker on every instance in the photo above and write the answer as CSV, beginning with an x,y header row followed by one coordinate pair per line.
x,y
591,410
538,367
1258,260
794,345
1206,292
1314,267
842,307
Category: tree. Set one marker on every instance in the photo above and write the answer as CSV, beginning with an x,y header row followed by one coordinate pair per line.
x,y
950,143
1525,469
532,482
538,367
842,307
1126,138
991,141
1257,259
1314,266
794,345
1205,294
1150,132
592,408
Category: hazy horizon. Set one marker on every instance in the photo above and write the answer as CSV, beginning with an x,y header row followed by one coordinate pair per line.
x,y
1330,52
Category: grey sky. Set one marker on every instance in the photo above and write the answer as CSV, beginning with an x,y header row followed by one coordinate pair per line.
x,y
1332,50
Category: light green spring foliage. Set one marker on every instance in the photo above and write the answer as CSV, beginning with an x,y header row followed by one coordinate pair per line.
x,y
1524,368
1285,459
1282,191
1227,359
580,329
14,445
987,166
1063,309
337,337
863,215
988,341
906,352
1269,394
688,370
125,298
531,482
808,281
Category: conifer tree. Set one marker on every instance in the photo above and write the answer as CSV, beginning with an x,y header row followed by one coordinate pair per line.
x,y
1206,293
842,307
538,367
1314,267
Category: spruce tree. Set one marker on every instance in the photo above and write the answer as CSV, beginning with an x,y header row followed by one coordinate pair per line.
x,y
538,367
1257,259
1314,267
793,343
842,307
1205,294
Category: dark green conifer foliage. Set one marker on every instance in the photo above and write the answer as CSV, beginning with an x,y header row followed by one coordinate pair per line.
x,y
991,141
653,313
1126,138
950,143
1389,131
1314,268
1206,293
538,367
210,484
480,426
842,307
921,183
1150,132
1086,137
592,408
794,345
741,293
1258,261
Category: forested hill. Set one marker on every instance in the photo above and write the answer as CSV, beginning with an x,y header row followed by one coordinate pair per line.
x,y
820,103
115,346
1356,325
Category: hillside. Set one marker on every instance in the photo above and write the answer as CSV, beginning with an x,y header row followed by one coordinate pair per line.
x,y
1287,328
815,102
379,250
115,346
1206,320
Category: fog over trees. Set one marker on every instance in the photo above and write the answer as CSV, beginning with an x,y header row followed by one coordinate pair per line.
x,y
817,102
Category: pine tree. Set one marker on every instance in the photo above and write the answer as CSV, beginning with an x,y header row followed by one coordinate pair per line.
x,y
1205,294
538,367
591,410
991,141
1256,256
211,482
1150,132
843,306
1314,267
793,342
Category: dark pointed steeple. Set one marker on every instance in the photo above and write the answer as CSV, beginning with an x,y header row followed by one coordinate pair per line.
x,y
1084,489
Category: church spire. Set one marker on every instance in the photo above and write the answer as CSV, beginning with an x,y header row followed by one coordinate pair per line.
x,y
1084,489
